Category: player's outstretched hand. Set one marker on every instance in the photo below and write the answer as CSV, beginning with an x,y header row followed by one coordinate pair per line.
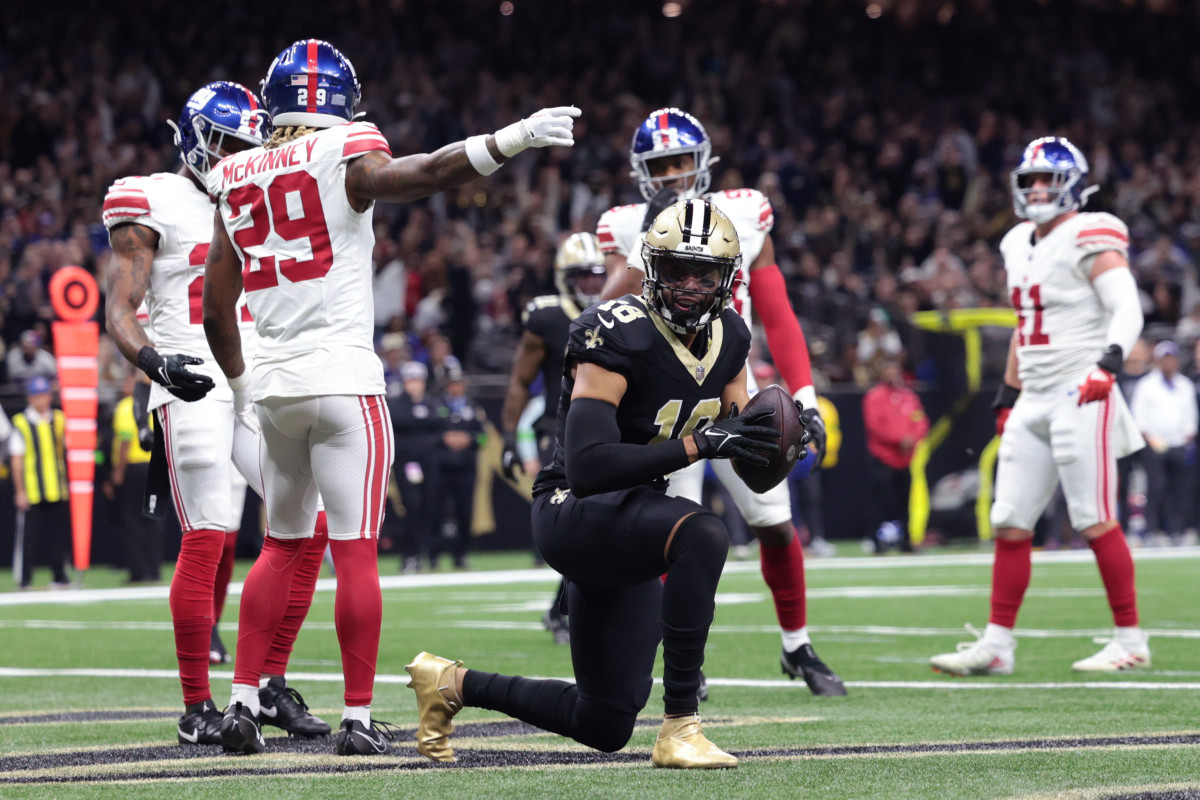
x,y
173,374
545,128
739,436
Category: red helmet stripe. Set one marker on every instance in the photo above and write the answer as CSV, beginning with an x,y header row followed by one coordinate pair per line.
x,y
253,107
664,125
312,76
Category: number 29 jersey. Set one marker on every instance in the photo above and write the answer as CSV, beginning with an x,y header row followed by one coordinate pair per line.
x,y
306,261
670,393
1060,320
181,214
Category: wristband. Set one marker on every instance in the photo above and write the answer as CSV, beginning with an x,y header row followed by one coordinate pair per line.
x,y
806,396
148,360
240,382
513,139
480,158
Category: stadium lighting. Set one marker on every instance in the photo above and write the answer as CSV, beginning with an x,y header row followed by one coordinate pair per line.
x,y
507,8
672,9
874,11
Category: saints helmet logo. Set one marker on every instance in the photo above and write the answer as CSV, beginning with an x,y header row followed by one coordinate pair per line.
x,y
592,338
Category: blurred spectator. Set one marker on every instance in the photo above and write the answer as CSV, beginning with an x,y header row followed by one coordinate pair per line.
x,y
1137,364
394,352
39,464
30,359
452,493
388,283
142,536
895,422
1164,406
876,342
418,430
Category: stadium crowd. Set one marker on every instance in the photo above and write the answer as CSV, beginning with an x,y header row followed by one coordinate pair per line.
x,y
886,160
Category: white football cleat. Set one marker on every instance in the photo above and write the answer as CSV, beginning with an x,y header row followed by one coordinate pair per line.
x,y
1115,657
980,657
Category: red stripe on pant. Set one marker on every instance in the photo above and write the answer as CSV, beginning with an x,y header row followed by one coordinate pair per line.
x,y
370,461
180,512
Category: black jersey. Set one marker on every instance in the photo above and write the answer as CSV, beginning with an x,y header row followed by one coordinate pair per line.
x,y
549,317
671,392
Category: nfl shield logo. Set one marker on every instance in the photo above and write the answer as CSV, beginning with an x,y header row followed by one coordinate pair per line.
x,y
699,372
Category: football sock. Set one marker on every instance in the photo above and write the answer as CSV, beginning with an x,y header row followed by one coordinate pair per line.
x,y
783,570
357,614
360,713
998,635
246,695
224,573
264,602
191,604
794,640
1116,570
1131,637
696,557
1010,579
551,705
304,582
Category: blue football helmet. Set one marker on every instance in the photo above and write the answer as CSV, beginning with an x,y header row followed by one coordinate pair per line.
x,y
671,132
220,109
312,84
1068,171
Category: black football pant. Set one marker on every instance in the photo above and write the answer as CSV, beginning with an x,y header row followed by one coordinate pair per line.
x,y
46,540
612,549
142,536
458,487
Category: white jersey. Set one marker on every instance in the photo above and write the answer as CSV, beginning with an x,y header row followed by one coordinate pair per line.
x,y
620,231
306,256
173,207
1061,322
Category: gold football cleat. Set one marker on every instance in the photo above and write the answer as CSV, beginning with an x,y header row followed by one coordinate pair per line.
x,y
437,703
682,745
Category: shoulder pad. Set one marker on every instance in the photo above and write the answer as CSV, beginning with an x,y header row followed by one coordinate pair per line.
x,y
612,335
747,208
126,201
620,226
363,137
1096,232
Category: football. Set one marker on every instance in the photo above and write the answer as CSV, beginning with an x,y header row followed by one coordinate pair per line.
x,y
786,420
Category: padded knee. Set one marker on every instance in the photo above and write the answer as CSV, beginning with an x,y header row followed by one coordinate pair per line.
x,y
702,536
602,728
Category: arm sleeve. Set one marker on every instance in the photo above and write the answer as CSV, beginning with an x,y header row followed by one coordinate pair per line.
x,y
596,459
768,292
1118,293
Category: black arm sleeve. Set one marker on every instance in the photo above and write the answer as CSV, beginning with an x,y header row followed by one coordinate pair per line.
x,y
597,460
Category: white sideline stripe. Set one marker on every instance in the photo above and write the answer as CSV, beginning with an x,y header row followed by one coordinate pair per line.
x,y
549,576
753,683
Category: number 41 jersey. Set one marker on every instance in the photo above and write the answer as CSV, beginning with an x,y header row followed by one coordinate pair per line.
x,y
306,261
181,214
1060,320
670,393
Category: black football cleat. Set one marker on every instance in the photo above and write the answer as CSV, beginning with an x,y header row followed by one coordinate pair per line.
x,y
356,739
282,706
240,732
200,724
217,654
804,663
554,621
702,691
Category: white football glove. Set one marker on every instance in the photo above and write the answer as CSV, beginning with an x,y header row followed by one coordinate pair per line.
x,y
550,126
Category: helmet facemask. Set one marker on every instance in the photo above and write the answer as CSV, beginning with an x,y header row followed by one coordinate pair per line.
x,y
1065,167
219,119
691,183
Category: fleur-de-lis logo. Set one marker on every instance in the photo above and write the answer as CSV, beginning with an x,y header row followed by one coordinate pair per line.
x,y
592,338
559,496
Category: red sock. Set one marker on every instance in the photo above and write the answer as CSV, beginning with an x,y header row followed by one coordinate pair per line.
x,y
192,608
783,570
1010,579
264,602
1116,570
357,613
224,573
303,584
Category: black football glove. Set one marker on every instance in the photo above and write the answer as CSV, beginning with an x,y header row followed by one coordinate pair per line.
x,y
739,436
173,374
662,198
510,460
814,433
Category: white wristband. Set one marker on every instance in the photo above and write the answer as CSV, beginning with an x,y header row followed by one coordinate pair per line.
x,y
806,396
513,139
480,158
240,382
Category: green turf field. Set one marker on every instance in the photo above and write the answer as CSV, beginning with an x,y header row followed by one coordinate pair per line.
x,y
88,697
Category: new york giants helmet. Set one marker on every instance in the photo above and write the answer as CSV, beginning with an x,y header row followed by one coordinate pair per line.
x,y
1068,170
671,132
311,84
213,112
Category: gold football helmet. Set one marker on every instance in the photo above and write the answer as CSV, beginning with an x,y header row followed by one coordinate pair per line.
x,y
692,255
579,269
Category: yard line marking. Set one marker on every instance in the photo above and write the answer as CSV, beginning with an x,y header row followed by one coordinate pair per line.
x,y
754,683
549,576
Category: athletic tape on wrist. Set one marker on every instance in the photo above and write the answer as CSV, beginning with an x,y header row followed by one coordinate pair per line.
x,y
513,139
240,382
807,396
480,158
